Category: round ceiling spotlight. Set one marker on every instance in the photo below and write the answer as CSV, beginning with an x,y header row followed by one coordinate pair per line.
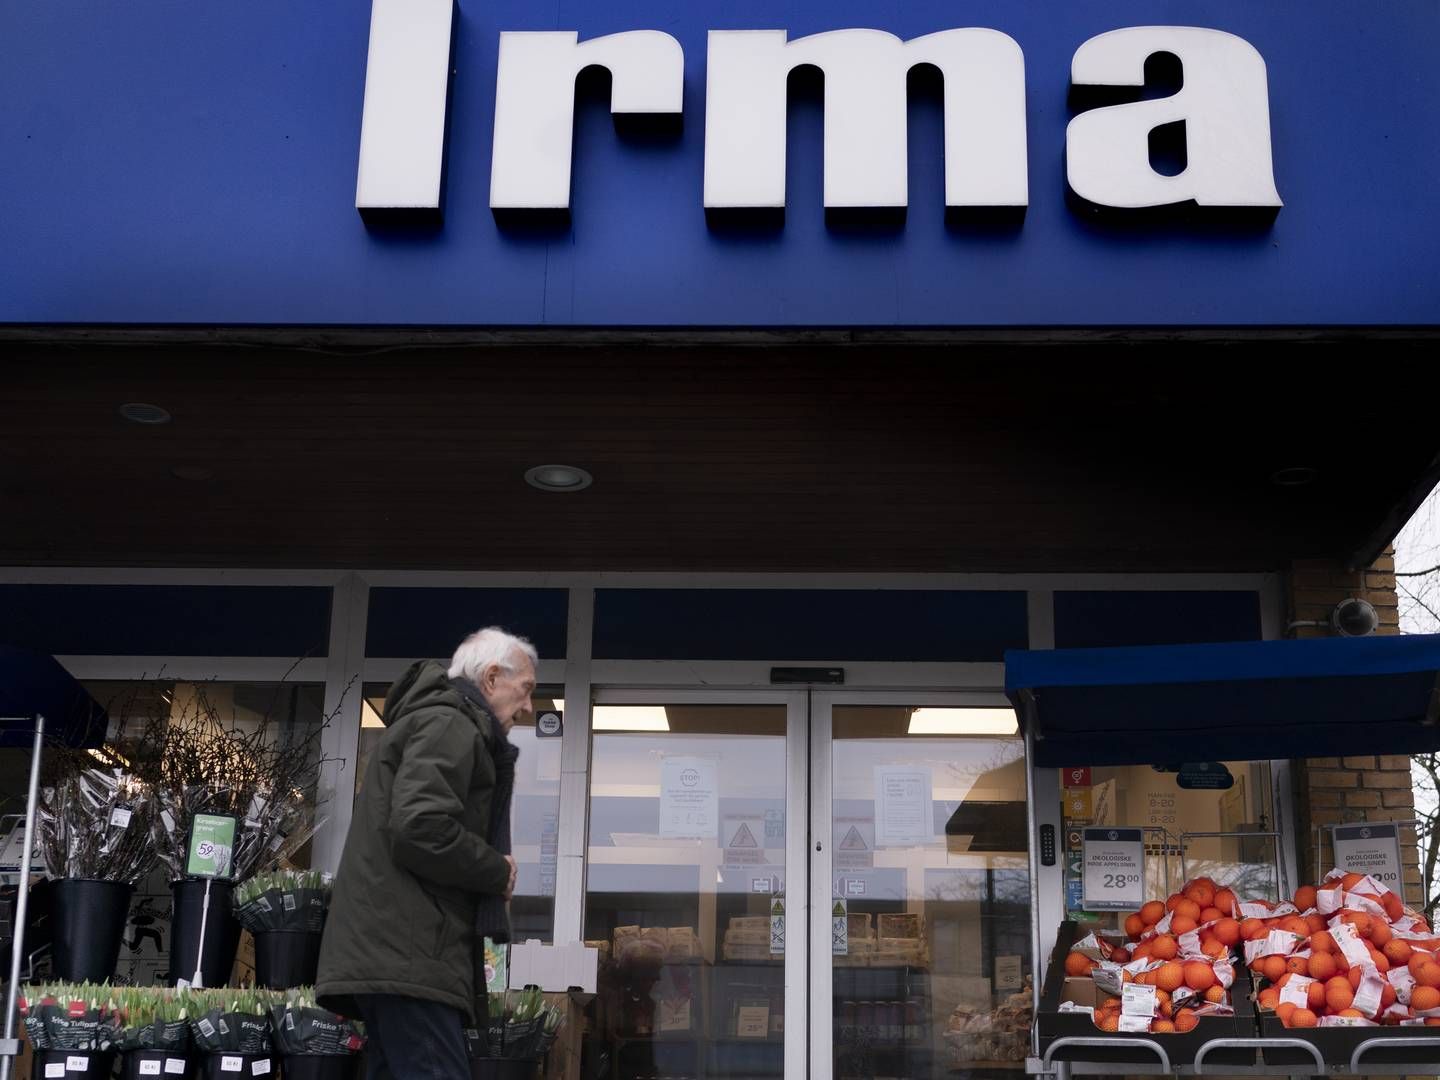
x,y
558,478
1294,476
140,412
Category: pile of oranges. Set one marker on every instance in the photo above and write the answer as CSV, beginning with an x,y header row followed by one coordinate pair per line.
x,y
1181,947
1346,952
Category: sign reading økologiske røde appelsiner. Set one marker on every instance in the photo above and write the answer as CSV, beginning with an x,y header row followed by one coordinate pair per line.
x,y
1112,869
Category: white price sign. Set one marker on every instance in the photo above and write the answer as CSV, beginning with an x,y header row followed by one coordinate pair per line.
x,y
1370,849
1112,869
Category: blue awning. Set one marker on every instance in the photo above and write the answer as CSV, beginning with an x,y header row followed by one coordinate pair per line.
x,y
34,684
1241,701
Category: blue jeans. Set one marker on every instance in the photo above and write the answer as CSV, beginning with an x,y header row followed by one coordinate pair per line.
x,y
410,1038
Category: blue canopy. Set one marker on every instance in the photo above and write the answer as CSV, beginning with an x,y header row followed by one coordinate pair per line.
x,y
1243,701
34,684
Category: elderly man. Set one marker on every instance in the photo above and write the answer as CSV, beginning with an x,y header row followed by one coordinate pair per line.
x,y
427,861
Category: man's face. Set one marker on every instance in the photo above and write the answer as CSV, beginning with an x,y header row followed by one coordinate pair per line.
x,y
508,692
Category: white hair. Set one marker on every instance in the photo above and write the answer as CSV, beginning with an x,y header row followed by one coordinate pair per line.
x,y
487,648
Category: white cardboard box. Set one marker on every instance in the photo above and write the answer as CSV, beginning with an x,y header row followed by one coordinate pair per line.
x,y
553,968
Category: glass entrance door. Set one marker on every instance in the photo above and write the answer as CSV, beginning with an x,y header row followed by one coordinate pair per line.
x,y
920,886
808,884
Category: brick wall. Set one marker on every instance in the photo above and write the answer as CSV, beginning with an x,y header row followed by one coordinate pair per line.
x,y
1365,787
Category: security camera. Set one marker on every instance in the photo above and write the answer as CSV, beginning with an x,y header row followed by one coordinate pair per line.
x,y
1354,618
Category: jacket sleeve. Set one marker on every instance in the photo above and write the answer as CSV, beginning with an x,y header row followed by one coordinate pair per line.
x,y
427,802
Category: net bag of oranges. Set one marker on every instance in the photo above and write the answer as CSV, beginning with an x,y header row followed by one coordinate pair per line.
x,y
1344,953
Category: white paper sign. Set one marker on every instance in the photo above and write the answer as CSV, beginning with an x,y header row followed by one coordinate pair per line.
x,y
231,1064
1370,849
904,813
149,1068
1138,1000
1134,1024
1008,973
175,1066
1356,954
77,1064
53,1069
689,807
1113,869
260,1068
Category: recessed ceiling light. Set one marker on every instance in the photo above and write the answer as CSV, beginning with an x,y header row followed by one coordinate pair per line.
x,y
191,472
1294,476
558,478
140,412
629,718
963,722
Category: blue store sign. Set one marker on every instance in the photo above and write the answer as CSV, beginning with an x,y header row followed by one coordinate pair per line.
x,y
1119,163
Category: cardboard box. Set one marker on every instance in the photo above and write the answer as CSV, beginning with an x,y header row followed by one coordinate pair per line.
x,y
563,1061
553,968
904,926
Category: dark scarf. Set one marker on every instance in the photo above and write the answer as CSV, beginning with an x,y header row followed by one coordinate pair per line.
x,y
492,914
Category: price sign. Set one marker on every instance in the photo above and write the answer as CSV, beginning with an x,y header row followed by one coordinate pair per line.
x,y
212,845
1113,869
1370,849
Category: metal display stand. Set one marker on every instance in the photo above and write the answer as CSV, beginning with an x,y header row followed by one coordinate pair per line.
x,y
1047,1066
9,1045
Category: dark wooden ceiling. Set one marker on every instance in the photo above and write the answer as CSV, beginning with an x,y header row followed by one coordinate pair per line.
x,y
830,457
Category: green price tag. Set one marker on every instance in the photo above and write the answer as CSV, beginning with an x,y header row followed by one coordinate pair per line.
x,y
212,846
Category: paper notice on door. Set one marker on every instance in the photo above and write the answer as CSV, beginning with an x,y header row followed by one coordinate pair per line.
x,y
904,814
688,801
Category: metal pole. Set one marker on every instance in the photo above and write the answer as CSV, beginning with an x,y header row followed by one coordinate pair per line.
x,y
9,1047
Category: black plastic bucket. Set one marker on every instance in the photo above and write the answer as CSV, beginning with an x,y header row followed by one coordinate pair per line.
x,y
89,926
140,1064
238,1066
503,1069
58,1063
320,1066
285,959
222,932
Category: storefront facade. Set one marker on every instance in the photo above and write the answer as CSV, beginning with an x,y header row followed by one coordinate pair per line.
x,y
855,428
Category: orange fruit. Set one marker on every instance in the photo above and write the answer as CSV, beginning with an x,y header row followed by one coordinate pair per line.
x,y
1165,947
1182,924
1215,995
1213,948
1210,914
1199,975
1322,965
1170,976
1162,1027
1388,997
1299,965
1186,1020
1134,925
1251,929
1152,912
1432,1021
1429,974
1120,956
1268,999
1296,925
1354,1014
1201,891
1304,1018
1339,994
1225,901
1418,958
1189,908
1380,934
1364,925
1321,941
1315,923
1380,960
1349,881
1109,1020
1172,900
1397,952
1077,964
1274,967
1227,931
1315,994
1305,897
1393,905
1283,1011
1353,977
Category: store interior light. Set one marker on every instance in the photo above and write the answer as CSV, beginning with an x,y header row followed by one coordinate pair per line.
x,y
369,718
630,718
963,722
